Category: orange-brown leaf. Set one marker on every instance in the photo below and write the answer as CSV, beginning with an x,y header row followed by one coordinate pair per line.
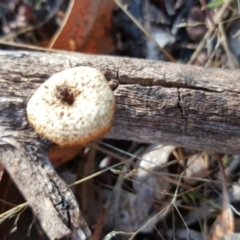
x,y
87,28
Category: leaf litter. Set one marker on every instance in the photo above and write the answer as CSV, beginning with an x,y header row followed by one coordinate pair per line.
x,y
129,190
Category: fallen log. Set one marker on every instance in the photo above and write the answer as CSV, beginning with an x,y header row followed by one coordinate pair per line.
x,y
162,102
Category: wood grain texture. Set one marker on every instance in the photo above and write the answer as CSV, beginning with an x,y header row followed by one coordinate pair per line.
x,y
162,102
175,104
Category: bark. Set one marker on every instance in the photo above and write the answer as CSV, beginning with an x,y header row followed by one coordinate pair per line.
x,y
162,102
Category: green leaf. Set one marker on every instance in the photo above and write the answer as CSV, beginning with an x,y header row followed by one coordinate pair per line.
x,y
215,3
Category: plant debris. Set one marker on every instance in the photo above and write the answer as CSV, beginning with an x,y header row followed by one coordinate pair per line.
x,y
130,190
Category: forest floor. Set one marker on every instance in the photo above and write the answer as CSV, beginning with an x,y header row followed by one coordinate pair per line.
x,y
161,192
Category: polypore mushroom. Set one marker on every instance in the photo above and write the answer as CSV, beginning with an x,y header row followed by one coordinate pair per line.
x,y
73,107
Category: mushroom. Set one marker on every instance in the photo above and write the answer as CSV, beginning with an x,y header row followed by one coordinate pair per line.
x,y
73,107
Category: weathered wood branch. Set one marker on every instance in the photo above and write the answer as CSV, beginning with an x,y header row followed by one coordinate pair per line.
x,y
173,104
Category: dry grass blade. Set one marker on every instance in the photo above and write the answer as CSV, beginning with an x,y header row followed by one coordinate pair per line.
x,y
12,212
210,31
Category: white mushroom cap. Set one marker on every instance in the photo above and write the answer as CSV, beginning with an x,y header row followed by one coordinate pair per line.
x,y
72,107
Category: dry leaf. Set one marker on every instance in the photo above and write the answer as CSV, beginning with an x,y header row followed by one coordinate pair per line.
x,y
232,236
196,27
234,39
87,28
132,213
73,33
224,224
163,38
197,166
185,234
147,183
59,155
129,212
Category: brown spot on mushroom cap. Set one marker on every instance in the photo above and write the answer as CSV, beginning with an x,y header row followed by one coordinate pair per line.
x,y
76,107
